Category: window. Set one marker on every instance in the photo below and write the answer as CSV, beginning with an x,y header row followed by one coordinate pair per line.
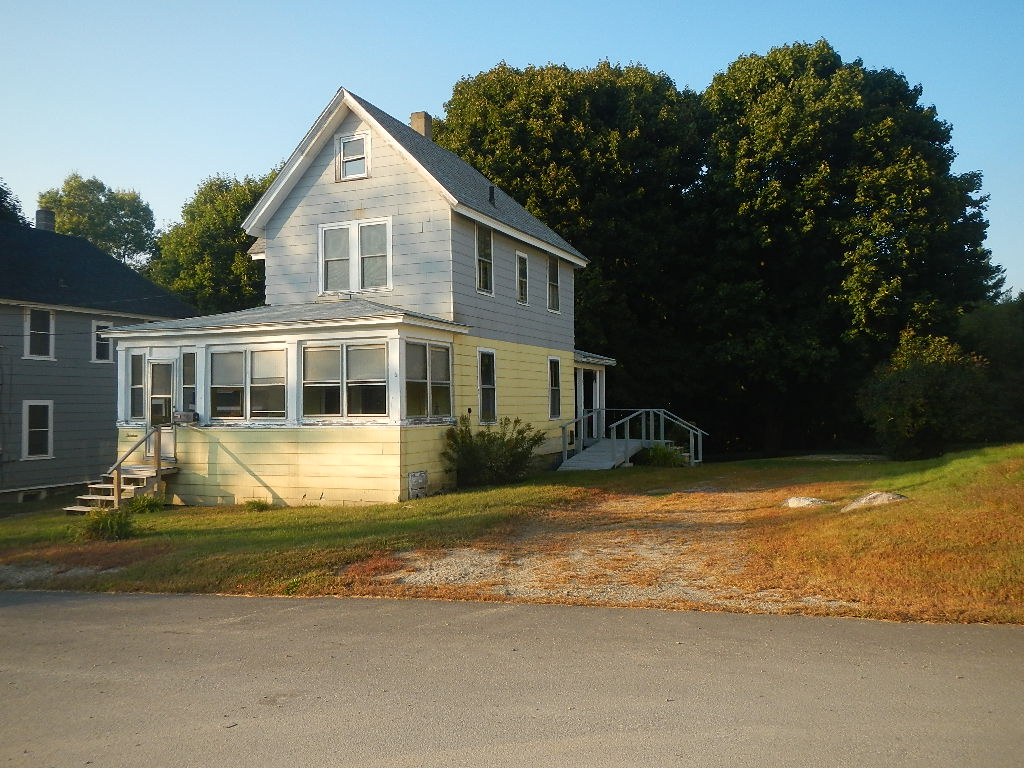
x,y
102,349
428,380
364,380
39,333
522,278
353,157
553,283
188,381
137,388
355,254
37,429
554,388
484,260
488,398
247,384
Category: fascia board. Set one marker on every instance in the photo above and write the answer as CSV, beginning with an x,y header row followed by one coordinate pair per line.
x,y
82,310
517,234
296,326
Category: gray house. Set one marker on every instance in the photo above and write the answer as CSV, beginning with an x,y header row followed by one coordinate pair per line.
x,y
58,373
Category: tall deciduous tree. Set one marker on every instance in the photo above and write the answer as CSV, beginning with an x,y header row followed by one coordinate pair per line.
x,y
117,221
10,206
204,258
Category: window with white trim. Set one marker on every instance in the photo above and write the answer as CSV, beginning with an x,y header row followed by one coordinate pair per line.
x,y
188,381
355,256
37,429
428,380
488,388
248,384
39,329
522,278
553,298
554,388
102,348
484,259
357,370
137,387
353,157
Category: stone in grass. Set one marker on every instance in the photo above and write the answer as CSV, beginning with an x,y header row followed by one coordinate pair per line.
x,y
874,499
804,501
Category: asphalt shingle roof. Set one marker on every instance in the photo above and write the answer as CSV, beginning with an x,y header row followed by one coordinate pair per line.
x,y
44,267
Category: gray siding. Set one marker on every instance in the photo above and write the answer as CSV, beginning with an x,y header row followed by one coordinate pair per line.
x,y
421,262
83,395
500,316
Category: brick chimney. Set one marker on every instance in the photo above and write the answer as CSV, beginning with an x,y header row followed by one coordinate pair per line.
x,y
422,124
45,219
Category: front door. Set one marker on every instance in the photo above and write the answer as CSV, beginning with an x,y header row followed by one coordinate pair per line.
x,y
590,403
160,412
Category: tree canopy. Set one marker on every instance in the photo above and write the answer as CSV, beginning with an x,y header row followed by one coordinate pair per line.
x,y
116,221
10,206
204,259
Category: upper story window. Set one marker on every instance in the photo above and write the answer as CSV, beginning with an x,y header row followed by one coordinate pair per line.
x,y
355,256
102,348
484,259
428,380
353,157
522,278
39,325
345,380
247,384
553,298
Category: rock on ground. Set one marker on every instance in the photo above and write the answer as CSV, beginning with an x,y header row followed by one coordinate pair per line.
x,y
874,499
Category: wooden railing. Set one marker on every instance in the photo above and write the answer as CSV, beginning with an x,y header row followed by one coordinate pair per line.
x,y
115,470
647,423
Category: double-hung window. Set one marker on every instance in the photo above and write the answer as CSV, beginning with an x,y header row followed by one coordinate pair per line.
x,y
37,429
137,387
355,256
39,333
345,380
353,157
488,388
554,388
522,278
484,259
188,381
428,380
247,384
102,348
553,302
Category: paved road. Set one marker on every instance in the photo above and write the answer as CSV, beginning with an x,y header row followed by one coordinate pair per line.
x,y
146,680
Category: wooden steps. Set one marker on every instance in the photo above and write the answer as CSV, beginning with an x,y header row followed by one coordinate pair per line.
x,y
136,480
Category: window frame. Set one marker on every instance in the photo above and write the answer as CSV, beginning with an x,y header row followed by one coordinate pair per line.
x,y
246,387
554,386
51,332
142,386
97,325
355,257
339,161
430,382
553,262
25,455
194,386
480,352
479,259
343,382
522,279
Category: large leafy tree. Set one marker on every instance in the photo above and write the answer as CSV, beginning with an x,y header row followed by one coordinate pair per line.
x,y
116,221
204,258
605,156
10,206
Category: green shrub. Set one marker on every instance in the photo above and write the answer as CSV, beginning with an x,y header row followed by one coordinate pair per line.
x,y
141,505
108,525
659,456
257,505
492,455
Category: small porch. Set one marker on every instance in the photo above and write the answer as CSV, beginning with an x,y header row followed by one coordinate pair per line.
x,y
605,438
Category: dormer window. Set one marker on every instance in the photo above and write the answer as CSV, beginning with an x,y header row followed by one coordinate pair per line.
x,y
355,256
353,157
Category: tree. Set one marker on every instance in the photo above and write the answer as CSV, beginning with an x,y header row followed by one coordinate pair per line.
x,y
605,157
10,206
204,258
116,221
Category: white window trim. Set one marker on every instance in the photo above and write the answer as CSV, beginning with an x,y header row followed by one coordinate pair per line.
x,y
550,387
476,252
339,140
24,430
354,257
129,354
558,284
96,325
526,262
28,334
430,382
480,352
343,345
246,417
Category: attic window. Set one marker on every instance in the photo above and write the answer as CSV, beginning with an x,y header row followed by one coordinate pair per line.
x,y
353,157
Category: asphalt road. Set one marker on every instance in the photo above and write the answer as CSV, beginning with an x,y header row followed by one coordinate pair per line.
x,y
148,680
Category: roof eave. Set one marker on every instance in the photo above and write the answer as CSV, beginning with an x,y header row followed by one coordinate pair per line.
x,y
518,234
127,332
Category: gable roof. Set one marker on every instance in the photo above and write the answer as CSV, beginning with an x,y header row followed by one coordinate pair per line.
x,y
43,267
464,188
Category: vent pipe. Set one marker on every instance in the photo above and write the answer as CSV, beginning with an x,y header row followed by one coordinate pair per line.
x,y
46,219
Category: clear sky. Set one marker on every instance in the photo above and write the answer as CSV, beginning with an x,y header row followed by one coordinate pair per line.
x,y
157,96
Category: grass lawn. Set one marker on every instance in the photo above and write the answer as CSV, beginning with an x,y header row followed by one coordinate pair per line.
x,y
953,552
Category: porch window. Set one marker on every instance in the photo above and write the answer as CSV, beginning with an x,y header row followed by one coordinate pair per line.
x,y
355,256
39,333
266,384
37,429
428,388
137,388
366,381
553,298
554,388
248,384
352,157
488,388
102,348
363,380
484,260
188,381
227,385
522,279
321,381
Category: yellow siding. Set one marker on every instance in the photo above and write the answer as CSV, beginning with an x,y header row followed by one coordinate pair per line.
x,y
421,451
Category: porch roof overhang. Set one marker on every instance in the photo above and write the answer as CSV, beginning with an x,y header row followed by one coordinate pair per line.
x,y
589,358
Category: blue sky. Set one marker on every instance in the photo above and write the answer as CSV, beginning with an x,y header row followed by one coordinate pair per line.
x,y
156,96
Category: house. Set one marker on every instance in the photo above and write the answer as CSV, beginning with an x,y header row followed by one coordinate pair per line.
x,y
403,289
58,378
